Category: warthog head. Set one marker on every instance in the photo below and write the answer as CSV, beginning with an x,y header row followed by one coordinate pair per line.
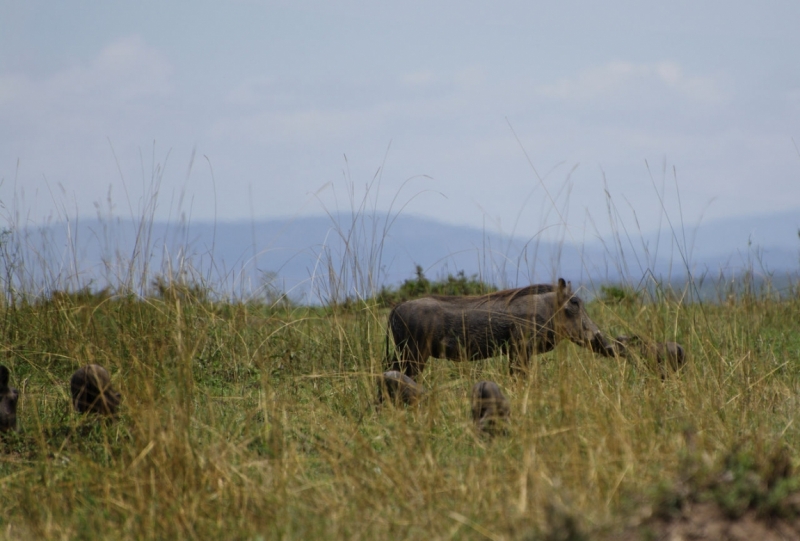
x,y
398,389
8,402
91,391
574,323
490,408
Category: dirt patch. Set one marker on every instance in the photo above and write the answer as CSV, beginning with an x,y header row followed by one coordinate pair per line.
x,y
751,494
708,521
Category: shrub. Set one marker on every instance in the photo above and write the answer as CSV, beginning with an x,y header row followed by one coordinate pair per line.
x,y
420,286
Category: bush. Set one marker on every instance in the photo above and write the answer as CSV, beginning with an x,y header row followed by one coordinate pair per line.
x,y
421,286
613,294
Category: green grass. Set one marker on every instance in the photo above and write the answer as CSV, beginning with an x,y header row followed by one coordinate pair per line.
x,y
242,422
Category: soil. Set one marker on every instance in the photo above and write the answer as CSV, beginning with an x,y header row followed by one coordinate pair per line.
x,y
701,521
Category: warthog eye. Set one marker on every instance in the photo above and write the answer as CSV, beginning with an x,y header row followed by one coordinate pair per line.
x,y
573,306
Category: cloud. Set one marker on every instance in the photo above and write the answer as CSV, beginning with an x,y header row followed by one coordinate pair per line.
x,y
273,110
12,86
793,99
623,81
279,127
419,78
132,69
58,125
125,71
254,91
469,76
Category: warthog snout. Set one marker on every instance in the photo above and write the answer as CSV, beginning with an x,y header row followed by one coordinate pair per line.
x,y
8,402
490,408
92,392
398,389
599,344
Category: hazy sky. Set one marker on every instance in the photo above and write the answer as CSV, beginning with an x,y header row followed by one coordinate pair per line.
x,y
496,112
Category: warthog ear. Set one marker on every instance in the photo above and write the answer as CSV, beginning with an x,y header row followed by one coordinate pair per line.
x,y
561,283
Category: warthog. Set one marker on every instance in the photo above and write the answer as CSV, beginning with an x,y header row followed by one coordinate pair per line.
x,y
92,392
8,402
490,408
398,388
519,322
668,355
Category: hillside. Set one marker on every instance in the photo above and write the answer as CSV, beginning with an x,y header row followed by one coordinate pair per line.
x,y
297,255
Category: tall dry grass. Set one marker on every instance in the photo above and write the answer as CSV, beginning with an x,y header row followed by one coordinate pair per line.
x,y
245,420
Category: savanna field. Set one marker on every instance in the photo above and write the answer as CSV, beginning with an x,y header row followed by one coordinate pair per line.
x,y
251,421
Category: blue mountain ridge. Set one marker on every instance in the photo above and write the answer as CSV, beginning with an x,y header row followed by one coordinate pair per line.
x,y
300,255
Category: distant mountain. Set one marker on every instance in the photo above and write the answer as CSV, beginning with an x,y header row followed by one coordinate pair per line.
x,y
317,258
780,230
767,243
772,238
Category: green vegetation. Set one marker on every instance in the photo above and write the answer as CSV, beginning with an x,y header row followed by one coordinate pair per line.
x,y
420,286
616,294
246,421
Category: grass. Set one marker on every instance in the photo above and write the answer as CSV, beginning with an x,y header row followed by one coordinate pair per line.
x,y
245,419
242,421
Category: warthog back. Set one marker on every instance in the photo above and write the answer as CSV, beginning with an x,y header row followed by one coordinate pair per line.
x,y
398,388
92,392
490,408
8,402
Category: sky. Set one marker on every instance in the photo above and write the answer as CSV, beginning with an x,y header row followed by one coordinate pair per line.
x,y
518,117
